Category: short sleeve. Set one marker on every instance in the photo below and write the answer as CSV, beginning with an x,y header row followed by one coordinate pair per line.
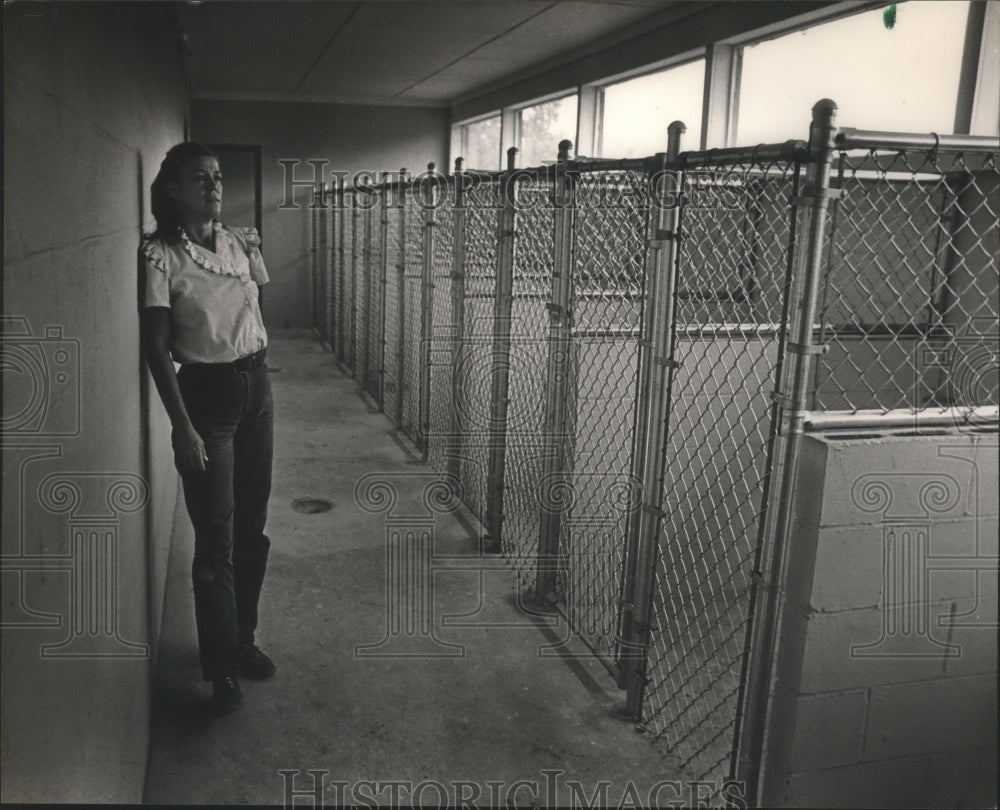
x,y
154,287
250,240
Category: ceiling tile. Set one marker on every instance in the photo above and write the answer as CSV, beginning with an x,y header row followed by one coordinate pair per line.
x,y
429,51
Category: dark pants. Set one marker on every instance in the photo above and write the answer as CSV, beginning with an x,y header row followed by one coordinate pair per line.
x,y
233,413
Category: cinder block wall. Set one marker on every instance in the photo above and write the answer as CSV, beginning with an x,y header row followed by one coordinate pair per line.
x,y
886,683
93,97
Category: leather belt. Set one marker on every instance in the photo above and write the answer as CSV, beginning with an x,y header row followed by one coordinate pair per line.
x,y
243,364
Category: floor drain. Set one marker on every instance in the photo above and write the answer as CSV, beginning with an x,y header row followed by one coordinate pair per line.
x,y
273,369
310,506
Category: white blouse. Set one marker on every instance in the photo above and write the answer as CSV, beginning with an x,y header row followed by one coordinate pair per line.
x,y
212,295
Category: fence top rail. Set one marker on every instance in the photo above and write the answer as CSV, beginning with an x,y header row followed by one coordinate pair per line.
x,y
850,138
788,150
644,164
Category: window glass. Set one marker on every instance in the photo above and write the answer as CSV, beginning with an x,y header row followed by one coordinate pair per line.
x,y
541,128
899,75
481,144
638,111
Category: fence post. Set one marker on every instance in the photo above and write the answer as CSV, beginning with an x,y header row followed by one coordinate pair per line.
x,y
341,285
314,247
456,438
366,302
401,299
324,264
800,345
426,193
354,284
500,365
656,364
560,308
383,273
331,309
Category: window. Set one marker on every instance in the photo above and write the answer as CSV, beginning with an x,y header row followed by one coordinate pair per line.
x,y
903,78
637,112
480,144
541,127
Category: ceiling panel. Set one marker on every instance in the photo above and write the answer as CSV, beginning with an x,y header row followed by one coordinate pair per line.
x,y
471,17
458,79
397,51
562,28
247,46
377,51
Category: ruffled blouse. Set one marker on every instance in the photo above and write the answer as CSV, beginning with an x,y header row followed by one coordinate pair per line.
x,y
212,295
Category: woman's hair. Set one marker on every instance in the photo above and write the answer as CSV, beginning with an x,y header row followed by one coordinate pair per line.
x,y
165,210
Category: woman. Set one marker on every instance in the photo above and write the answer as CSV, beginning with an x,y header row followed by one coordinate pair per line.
x,y
199,306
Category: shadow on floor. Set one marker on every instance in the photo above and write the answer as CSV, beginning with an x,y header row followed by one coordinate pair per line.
x,y
489,713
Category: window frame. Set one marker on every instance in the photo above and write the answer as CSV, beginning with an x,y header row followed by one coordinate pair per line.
x,y
515,111
460,137
661,66
975,102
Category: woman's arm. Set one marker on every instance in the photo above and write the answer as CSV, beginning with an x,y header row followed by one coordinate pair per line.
x,y
154,325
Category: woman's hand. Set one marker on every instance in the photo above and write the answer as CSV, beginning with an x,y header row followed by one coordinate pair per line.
x,y
189,450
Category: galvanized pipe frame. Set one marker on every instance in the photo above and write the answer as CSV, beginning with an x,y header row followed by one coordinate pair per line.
x,y
326,223
426,192
341,281
314,251
649,444
457,436
791,396
373,305
852,138
366,253
401,303
560,310
799,336
383,271
500,365
353,360
890,166
333,298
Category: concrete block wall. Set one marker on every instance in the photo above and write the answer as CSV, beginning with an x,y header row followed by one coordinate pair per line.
x,y
886,671
93,97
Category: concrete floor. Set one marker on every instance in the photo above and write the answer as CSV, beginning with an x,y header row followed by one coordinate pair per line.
x,y
495,711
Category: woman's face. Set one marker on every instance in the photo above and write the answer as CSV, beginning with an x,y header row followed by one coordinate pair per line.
x,y
198,191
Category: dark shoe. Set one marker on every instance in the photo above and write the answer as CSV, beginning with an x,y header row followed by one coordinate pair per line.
x,y
254,664
226,694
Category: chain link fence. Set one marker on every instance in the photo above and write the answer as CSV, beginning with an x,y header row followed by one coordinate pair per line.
x,y
909,292
731,277
441,434
609,266
614,359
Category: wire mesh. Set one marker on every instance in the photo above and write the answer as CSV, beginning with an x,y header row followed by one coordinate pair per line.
x,y
376,291
909,301
730,286
336,279
908,308
350,282
413,261
393,333
314,253
525,442
482,209
608,280
441,443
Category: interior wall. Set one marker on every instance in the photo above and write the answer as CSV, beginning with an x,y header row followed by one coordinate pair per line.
x,y
88,481
347,138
